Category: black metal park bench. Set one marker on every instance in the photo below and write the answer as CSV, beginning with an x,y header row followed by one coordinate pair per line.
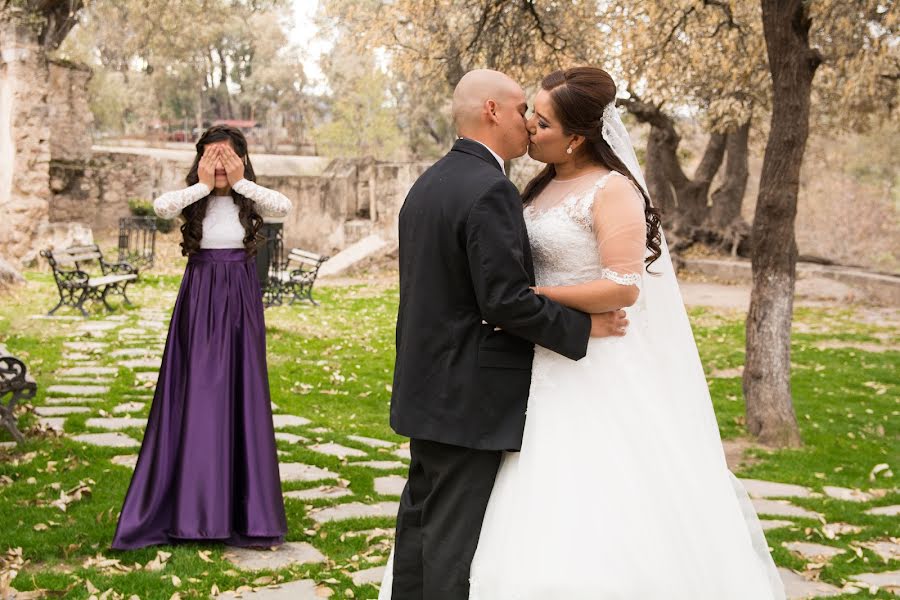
x,y
15,385
76,286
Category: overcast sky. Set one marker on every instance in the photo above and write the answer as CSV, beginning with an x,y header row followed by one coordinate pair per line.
x,y
304,35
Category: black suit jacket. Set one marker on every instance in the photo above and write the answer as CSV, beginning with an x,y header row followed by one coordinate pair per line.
x,y
465,259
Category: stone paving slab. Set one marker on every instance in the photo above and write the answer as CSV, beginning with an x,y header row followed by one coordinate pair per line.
x,y
354,510
125,460
86,346
94,326
332,449
812,551
289,421
86,381
142,363
372,576
798,588
319,493
885,511
289,553
391,485
151,324
111,440
768,524
81,371
373,442
55,411
291,438
834,529
382,465
886,549
146,376
303,472
847,494
129,407
114,423
8,445
402,453
304,589
782,508
130,332
78,400
76,356
769,489
123,352
54,423
889,580
77,390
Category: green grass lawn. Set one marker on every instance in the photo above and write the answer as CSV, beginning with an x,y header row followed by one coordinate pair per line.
x,y
333,366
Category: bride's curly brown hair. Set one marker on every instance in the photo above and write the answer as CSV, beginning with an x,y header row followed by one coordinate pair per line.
x,y
579,96
192,229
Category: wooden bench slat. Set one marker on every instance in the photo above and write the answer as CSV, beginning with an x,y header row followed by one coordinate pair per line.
x,y
306,254
305,261
108,279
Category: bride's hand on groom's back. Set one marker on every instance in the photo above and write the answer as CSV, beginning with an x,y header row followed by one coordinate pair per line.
x,y
609,324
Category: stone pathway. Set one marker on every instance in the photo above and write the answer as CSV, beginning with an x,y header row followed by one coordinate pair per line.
x,y
319,493
93,366
392,485
886,511
302,472
333,449
289,553
303,589
799,588
355,510
782,508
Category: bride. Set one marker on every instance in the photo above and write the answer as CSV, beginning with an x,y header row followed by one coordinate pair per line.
x,y
621,490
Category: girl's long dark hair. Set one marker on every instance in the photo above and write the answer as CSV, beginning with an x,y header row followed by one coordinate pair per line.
x,y
579,96
192,230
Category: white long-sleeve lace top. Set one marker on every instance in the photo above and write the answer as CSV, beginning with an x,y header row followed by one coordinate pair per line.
x,y
221,226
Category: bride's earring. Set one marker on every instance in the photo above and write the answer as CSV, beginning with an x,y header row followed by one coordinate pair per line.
x,y
569,150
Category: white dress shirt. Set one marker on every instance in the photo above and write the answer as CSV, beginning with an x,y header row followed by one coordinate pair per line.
x,y
496,156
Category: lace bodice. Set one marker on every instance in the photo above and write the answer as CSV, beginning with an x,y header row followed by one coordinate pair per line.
x,y
221,226
568,244
268,202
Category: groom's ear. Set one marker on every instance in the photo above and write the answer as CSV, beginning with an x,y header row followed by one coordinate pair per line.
x,y
490,109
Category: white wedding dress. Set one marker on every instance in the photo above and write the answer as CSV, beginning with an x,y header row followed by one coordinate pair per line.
x,y
621,490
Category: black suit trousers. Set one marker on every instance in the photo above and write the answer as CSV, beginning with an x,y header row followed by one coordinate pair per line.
x,y
439,522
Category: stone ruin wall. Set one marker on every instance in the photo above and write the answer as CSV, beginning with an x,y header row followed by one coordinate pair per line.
x,y
54,190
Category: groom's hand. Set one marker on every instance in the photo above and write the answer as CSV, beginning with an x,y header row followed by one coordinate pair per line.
x,y
609,324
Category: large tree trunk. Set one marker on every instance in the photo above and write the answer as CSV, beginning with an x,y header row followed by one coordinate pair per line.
x,y
728,199
682,200
724,227
767,373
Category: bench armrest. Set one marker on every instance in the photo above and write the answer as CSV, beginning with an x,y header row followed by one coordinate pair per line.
x,y
12,373
119,268
73,279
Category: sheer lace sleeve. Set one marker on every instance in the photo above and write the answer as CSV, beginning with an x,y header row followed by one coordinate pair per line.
x,y
269,202
170,204
621,231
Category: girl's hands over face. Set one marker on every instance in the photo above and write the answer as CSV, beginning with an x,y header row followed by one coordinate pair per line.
x,y
206,169
234,166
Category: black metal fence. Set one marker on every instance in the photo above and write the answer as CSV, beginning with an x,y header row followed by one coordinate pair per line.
x,y
137,241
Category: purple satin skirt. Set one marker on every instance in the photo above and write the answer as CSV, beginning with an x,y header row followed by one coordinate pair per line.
x,y
208,467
